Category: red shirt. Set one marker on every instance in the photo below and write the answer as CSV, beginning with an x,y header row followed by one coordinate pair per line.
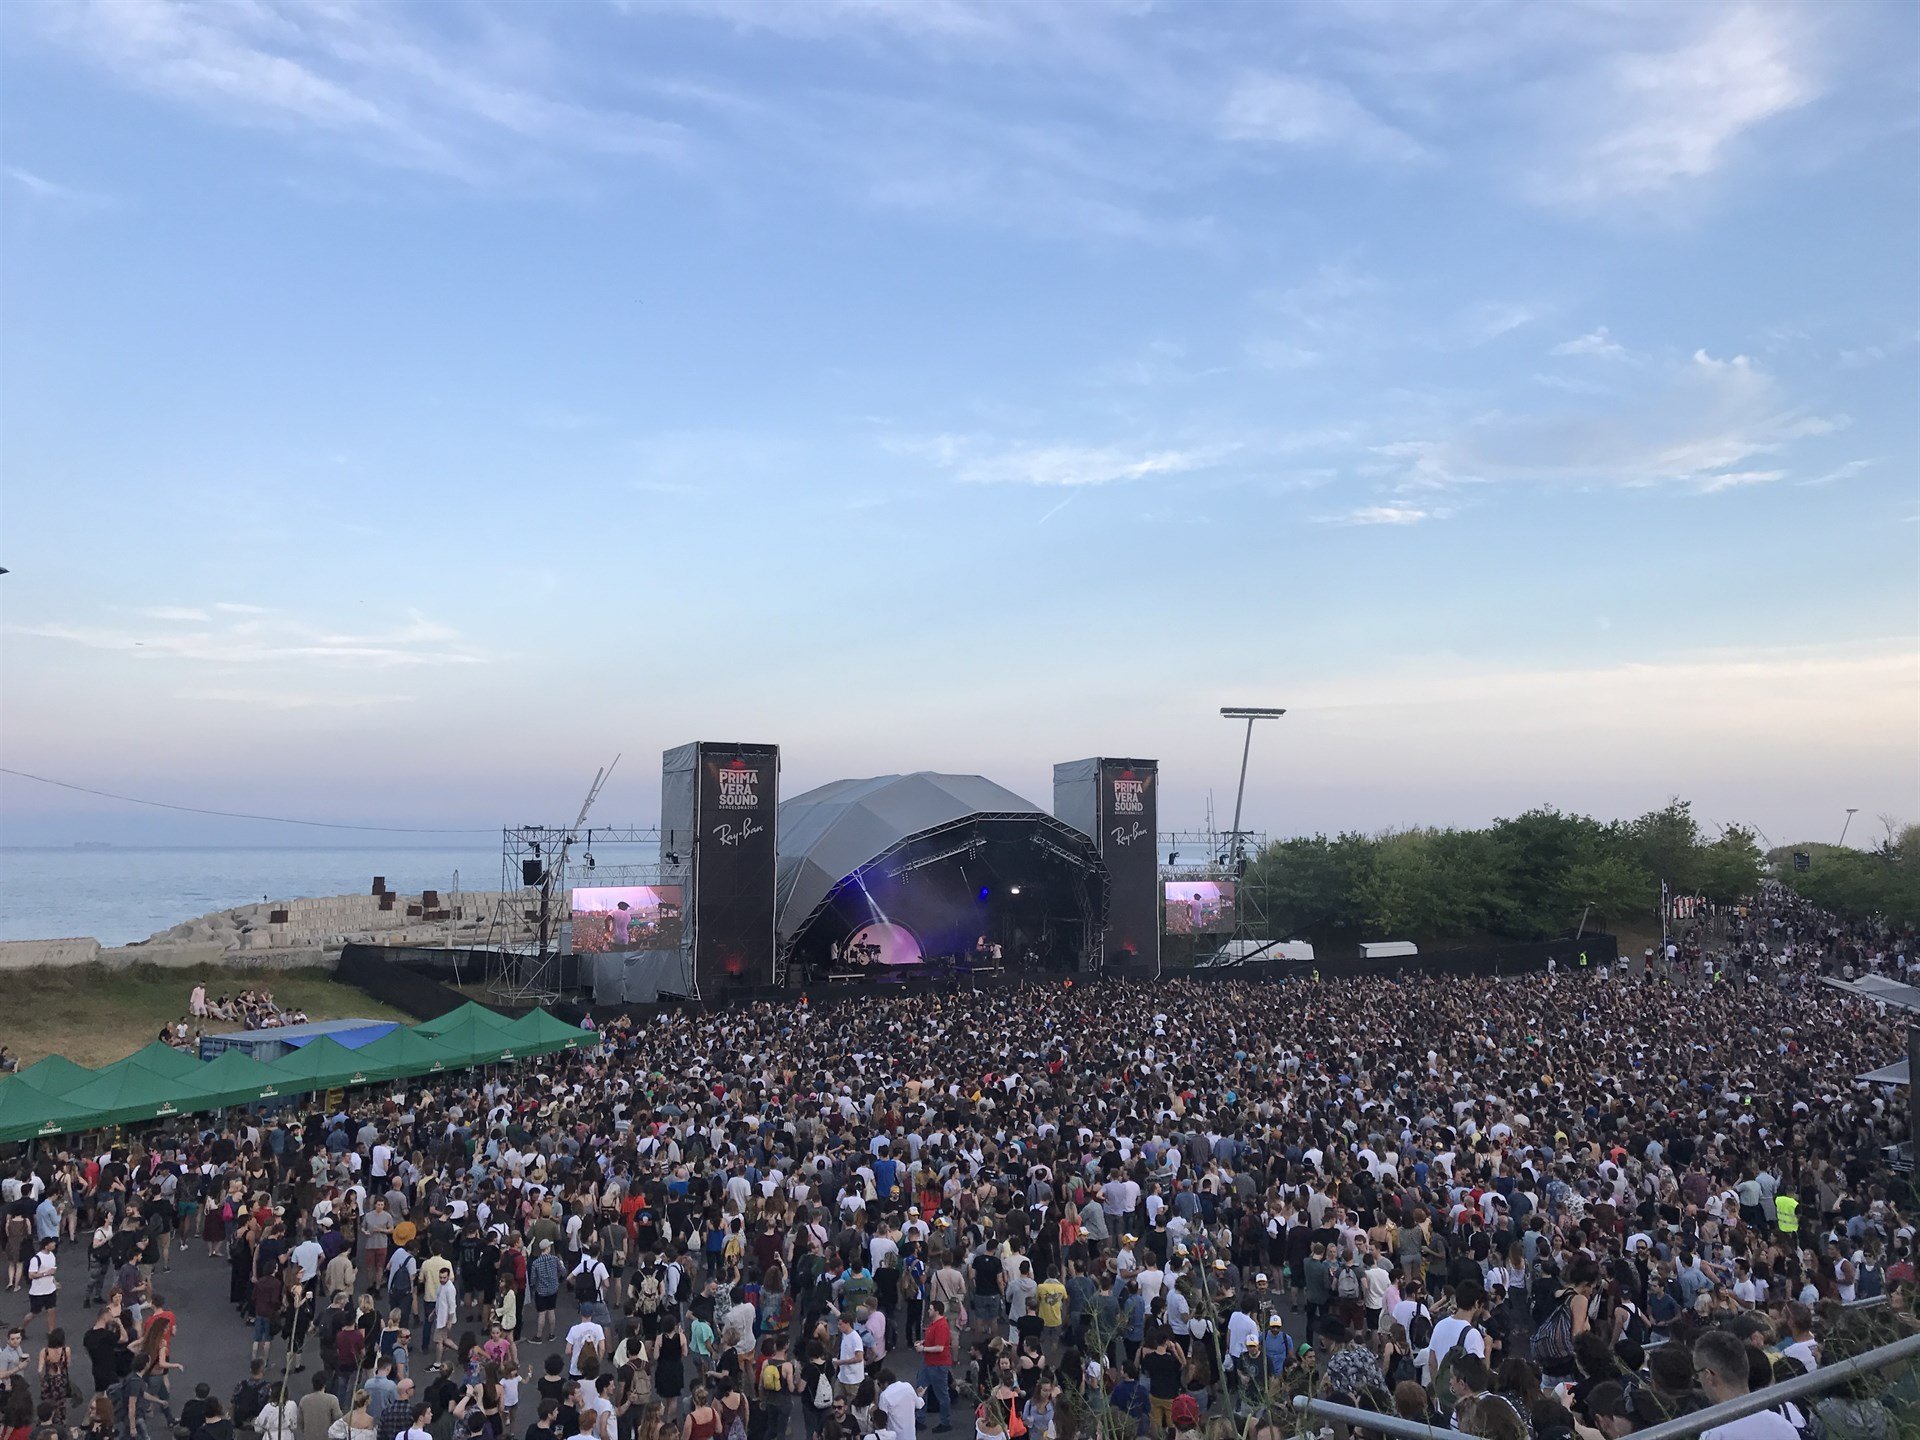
x,y
939,1342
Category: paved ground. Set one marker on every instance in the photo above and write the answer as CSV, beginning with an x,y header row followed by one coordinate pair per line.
x,y
213,1341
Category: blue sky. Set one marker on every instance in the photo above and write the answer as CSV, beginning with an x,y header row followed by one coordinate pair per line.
x,y
408,407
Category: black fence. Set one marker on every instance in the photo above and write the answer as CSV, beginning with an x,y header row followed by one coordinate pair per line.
x,y
420,980
1518,958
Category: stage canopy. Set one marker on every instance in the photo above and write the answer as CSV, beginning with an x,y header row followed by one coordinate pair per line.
x,y
949,856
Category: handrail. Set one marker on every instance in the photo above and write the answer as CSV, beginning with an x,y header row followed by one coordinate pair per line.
x,y
1814,1381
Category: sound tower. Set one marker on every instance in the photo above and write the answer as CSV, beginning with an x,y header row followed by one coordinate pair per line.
x,y
1116,802
719,810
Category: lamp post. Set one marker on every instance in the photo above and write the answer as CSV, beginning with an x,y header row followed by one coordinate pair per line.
x,y
1248,713
1852,810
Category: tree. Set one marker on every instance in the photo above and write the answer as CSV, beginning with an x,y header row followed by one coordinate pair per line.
x,y
1618,889
1729,868
1666,842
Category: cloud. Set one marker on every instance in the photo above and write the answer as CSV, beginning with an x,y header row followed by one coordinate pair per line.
x,y
419,641
290,699
1696,422
1844,472
975,463
236,607
1718,711
1387,515
1649,121
174,612
358,73
1305,112
51,192
1595,343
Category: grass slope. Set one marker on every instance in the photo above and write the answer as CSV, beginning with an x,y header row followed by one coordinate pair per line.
x,y
93,1015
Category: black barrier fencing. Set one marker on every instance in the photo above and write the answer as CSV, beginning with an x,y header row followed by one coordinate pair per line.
x,y
398,976
1523,957
421,980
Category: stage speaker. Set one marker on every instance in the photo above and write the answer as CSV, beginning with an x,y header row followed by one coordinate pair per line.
x,y
719,808
532,872
1116,803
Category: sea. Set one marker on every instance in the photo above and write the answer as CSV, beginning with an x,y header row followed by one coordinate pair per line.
x,y
119,894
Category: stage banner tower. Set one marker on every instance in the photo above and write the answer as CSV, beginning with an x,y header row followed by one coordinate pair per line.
x,y
1116,802
719,806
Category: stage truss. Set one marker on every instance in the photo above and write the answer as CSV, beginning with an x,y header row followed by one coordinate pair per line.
x,y
530,921
1210,855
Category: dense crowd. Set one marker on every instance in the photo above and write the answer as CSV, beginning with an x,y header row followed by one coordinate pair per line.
x,y
1533,1207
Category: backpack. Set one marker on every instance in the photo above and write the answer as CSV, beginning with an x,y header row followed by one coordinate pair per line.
x,y
651,1294
1420,1330
1553,1341
589,1356
770,1378
1346,1283
586,1285
1637,1330
823,1392
400,1287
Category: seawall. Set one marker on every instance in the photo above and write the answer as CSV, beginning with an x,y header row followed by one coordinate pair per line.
x,y
292,934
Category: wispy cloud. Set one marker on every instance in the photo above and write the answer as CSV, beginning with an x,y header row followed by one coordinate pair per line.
x,y
51,192
1386,515
418,641
291,699
1308,112
1697,422
184,613
1843,472
358,73
1648,121
1596,343
975,462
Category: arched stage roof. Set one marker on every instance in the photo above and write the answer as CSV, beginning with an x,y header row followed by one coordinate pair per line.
x,y
827,834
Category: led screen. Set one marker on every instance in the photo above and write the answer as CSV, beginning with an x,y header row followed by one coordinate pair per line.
x,y
1199,907
626,917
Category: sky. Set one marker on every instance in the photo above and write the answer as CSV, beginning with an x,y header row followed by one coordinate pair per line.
x,y
407,408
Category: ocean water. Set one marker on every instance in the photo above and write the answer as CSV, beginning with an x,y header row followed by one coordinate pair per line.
x,y
123,894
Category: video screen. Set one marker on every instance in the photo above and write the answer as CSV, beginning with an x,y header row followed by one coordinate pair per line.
x,y
626,917
1199,907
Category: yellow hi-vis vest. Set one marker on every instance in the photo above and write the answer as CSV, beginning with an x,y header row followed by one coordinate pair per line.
x,y
1786,1213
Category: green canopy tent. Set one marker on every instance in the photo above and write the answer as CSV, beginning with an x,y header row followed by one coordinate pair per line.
x,y
538,1033
463,1016
164,1059
26,1112
232,1077
402,1054
320,1065
477,1041
125,1091
55,1075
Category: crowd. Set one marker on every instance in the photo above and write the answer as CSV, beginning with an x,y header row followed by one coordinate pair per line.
x,y
1534,1207
249,1010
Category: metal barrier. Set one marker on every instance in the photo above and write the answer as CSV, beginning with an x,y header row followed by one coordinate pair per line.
x,y
1815,1382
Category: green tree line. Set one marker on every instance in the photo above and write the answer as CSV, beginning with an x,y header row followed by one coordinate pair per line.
x,y
1525,878
1882,882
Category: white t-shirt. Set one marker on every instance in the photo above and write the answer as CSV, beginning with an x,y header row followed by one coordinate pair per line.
x,y
583,1331
1765,1425
40,1274
898,1402
1450,1334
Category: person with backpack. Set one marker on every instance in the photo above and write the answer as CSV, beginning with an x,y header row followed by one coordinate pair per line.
x,y
1565,1312
586,1347
589,1282
1459,1331
401,1272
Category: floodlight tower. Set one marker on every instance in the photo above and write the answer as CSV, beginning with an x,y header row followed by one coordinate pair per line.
x,y
1248,713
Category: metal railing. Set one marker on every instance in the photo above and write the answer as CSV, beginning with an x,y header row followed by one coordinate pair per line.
x,y
1814,1383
